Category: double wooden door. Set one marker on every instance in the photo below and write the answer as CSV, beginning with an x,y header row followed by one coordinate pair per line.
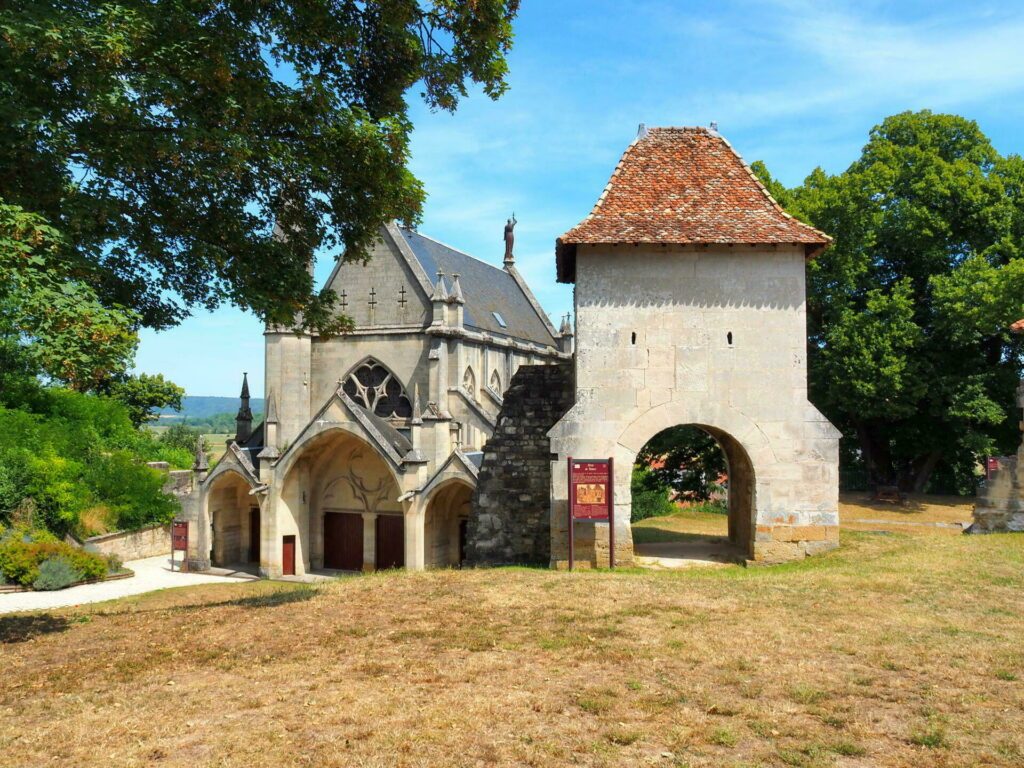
x,y
343,541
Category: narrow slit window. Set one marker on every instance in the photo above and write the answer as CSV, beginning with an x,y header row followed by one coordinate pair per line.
x,y
633,341
728,337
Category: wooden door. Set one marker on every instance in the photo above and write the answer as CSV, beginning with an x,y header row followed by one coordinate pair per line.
x,y
288,556
254,535
343,541
390,542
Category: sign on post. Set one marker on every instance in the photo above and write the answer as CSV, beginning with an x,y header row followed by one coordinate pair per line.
x,y
179,541
992,464
591,497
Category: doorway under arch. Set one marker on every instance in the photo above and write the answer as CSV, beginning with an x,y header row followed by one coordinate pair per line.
x,y
445,527
234,522
694,486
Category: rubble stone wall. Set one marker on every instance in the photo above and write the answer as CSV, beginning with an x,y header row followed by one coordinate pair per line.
x,y
509,522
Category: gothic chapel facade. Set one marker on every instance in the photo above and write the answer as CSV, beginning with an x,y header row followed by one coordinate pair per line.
x,y
371,443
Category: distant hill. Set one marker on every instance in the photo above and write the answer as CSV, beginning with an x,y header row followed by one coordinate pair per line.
x,y
203,406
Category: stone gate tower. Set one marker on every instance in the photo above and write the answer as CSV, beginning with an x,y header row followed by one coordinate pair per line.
x,y
690,309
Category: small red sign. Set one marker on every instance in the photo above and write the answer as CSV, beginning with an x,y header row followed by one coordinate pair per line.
x,y
179,537
590,489
992,466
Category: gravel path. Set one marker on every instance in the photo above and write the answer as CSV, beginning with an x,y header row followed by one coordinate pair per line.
x,y
150,574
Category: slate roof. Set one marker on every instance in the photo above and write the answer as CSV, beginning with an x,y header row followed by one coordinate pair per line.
x,y
682,186
486,288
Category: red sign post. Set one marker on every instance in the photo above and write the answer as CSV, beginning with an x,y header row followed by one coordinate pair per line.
x,y
591,497
179,541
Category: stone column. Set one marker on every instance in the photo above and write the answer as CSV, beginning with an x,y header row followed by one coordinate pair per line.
x,y
415,539
369,541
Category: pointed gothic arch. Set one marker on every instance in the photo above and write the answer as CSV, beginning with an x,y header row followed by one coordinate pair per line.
x,y
469,382
374,386
495,382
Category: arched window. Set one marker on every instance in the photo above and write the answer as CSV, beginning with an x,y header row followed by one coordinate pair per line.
x,y
375,388
469,382
495,383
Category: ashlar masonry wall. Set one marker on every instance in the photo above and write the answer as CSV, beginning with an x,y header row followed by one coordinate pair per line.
x,y
713,337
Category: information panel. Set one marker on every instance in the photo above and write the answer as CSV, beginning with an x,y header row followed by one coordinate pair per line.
x,y
591,498
179,537
590,483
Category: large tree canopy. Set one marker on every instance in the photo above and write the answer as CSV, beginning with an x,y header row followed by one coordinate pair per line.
x,y
148,148
908,311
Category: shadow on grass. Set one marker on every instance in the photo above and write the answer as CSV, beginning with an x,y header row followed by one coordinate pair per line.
x,y
655,535
298,594
19,629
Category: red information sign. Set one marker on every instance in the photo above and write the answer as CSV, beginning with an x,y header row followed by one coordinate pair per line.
x,y
590,484
591,498
992,465
179,537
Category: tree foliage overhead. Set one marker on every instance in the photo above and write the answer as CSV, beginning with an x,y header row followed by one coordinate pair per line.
x,y
908,311
153,144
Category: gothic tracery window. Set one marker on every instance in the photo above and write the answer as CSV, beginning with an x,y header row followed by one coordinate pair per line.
x,y
469,382
495,383
374,387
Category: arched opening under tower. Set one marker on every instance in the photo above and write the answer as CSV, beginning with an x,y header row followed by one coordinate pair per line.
x,y
692,498
234,522
446,525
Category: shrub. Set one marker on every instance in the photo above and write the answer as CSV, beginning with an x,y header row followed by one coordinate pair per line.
x,y
650,495
55,573
114,563
21,558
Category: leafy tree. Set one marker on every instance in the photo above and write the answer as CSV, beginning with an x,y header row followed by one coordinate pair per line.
x,y
145,149
684,459
650,495
142,394
183,437
908,311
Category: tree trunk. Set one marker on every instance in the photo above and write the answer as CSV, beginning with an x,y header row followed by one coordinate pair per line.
x,y
877,457
923,467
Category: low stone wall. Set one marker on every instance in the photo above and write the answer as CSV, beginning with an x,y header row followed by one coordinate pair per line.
x,y
133,545
510,518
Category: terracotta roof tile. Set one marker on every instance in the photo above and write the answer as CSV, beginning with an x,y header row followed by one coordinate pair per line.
x,y
684,186
1018,327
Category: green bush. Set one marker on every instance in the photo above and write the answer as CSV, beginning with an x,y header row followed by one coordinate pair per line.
x,y
21,558
650,495
73,452
56,573
114,563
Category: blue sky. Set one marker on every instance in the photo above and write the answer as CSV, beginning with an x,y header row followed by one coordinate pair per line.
x,y
795,83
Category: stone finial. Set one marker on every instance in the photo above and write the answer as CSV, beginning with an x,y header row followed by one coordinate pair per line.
x,y
440,289
456,295
201,464
566,327
271,417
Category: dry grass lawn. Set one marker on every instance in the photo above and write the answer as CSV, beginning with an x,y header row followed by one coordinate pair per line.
x,y
900,649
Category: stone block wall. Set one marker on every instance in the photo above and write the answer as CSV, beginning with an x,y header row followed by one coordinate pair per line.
x,y
133,545
509,522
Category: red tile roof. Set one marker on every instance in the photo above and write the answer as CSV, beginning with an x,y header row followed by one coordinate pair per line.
x,y
684,186
1018,327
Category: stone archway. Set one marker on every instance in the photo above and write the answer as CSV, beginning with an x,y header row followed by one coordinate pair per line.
x,y
338,488
741,485
234,529
445,527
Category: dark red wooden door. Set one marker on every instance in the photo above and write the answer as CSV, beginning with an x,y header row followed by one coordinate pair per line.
x,y
343,541
390,541
254,535
288,556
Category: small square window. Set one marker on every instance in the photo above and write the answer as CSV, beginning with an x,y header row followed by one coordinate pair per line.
x,y
500,319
